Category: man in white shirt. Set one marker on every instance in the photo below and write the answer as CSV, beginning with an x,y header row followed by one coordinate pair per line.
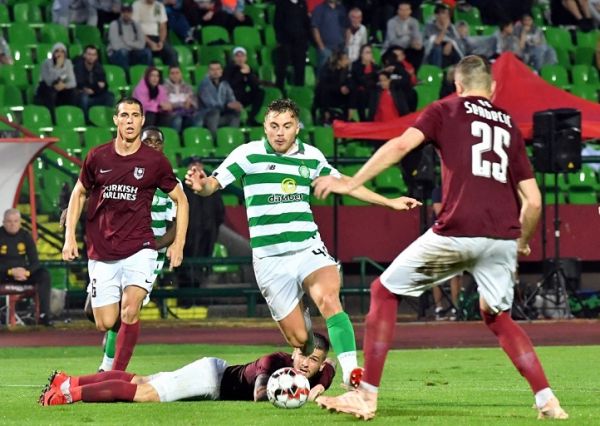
x,y
356,34
152,17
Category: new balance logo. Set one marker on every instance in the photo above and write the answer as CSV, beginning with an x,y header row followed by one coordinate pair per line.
x,y
271,167
102,171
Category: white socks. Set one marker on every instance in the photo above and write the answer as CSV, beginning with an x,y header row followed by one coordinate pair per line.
x,y
107,363
543,396
348,362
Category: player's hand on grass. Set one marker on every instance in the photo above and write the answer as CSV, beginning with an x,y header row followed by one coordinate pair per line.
x,y
70,250
175,255
523,248
315,392
404,203
194,178
325,185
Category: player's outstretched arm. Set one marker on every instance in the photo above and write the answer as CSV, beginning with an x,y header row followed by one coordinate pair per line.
x,y
531,208
175,250
200,183
365,194
76,202
260,387
315,392
389,154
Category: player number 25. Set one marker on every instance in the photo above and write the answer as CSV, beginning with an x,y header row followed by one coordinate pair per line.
x,y
492,138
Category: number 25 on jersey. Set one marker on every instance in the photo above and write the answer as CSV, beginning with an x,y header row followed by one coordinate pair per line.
x,y
492,138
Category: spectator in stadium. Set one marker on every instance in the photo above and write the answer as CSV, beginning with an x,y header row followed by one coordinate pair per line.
x,y
245,84
329,22
332,95
121,244
441,39
107,11
572,12
483,45
403,79
356,34
127,42
19,262
293,32
203,231
183,100
536,52
57,80
387,101
205,12
91,80
218,105
163,213
507,41
152,17
235,13
363,80
178,22
5,55
153,95
395,62
66,12
289,256
508,203
404,31
205,378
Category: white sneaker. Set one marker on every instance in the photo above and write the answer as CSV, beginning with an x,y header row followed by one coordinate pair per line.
x,y
552,410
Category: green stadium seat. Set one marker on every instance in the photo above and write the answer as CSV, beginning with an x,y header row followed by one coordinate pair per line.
x,y
267,56
302,95
35,70
69,140
101,116
310,79
256,133
585,91
249,37
587,39
357,150
555,75
228,138
427,12
486,30
583,197
431,75
471,16
559,38
537,14
585,75
220,252
43,51
185,152
36,116
390,182
376,54
186,58
584,180
12,96
21,54
306,119
76,49
4,16
21,34
266,73
199,73
87,34
95,136
584,55
271,93
270,38
324,140
69,116
257,13
208,54
54,33
27,13
197,137
212,34
116,79
550,198
136,74
171,138
548,179
426,94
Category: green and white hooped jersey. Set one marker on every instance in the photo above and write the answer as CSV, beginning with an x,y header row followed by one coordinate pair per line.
x,y
277,192
163,210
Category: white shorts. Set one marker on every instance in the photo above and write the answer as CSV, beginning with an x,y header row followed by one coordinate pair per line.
x,y
280,278
431,259
201,379
108,279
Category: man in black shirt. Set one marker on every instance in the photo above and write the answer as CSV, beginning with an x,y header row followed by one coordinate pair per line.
x,y
91,80
19,261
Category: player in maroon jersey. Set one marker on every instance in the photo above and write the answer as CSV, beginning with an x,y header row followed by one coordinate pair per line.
x,y
120,178
205,378
490,208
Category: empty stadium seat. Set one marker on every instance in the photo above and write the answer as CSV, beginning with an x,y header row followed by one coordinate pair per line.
x,y
555,75
36,116
585,91
430,75
585,75
583,197
88,34
249,37
558,37
228,138
323,139
21,33
4,17
116,79
197,137
185,56
95,136
54,33
21,54
426,94
212,34
101,116
171,138
27,13
69,116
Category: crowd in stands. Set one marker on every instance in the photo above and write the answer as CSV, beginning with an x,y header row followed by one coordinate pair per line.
x,y
362,57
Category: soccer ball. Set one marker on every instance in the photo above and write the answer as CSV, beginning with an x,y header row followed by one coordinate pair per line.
x,y
288,388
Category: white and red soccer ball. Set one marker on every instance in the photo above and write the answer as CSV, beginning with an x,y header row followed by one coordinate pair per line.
x,y
288,388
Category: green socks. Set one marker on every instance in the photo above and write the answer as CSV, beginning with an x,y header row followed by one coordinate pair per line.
x,y
341,334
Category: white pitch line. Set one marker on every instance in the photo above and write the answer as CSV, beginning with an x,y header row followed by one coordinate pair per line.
x,y
20,386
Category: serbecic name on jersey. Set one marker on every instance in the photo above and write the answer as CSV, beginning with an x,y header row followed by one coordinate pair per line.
x,y
120,192
483,111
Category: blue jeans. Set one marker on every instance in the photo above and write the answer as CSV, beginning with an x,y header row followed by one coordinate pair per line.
x,y
124,58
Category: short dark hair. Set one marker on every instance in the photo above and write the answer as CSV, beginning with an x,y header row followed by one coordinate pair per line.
x,y
129,100
282,105
154,129
215,62
91,46
321,342
440,7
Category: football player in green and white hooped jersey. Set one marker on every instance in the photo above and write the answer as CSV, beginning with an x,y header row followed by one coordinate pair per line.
x,y
163,212
289,256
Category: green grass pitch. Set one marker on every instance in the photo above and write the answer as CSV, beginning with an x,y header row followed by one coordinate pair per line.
x,y
433,387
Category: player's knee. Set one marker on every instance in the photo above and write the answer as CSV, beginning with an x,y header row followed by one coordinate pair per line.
x,y
297,338
104,325
130,313
329,304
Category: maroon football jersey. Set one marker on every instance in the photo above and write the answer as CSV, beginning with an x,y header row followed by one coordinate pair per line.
x,y
120,190
483,159
238,381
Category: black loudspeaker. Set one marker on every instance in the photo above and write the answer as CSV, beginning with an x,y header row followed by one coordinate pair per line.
x,y
557,140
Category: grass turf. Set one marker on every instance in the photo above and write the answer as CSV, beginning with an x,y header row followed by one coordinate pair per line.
x,y
434,387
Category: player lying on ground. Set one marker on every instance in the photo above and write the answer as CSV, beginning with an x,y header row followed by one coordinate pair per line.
x,y
205,378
